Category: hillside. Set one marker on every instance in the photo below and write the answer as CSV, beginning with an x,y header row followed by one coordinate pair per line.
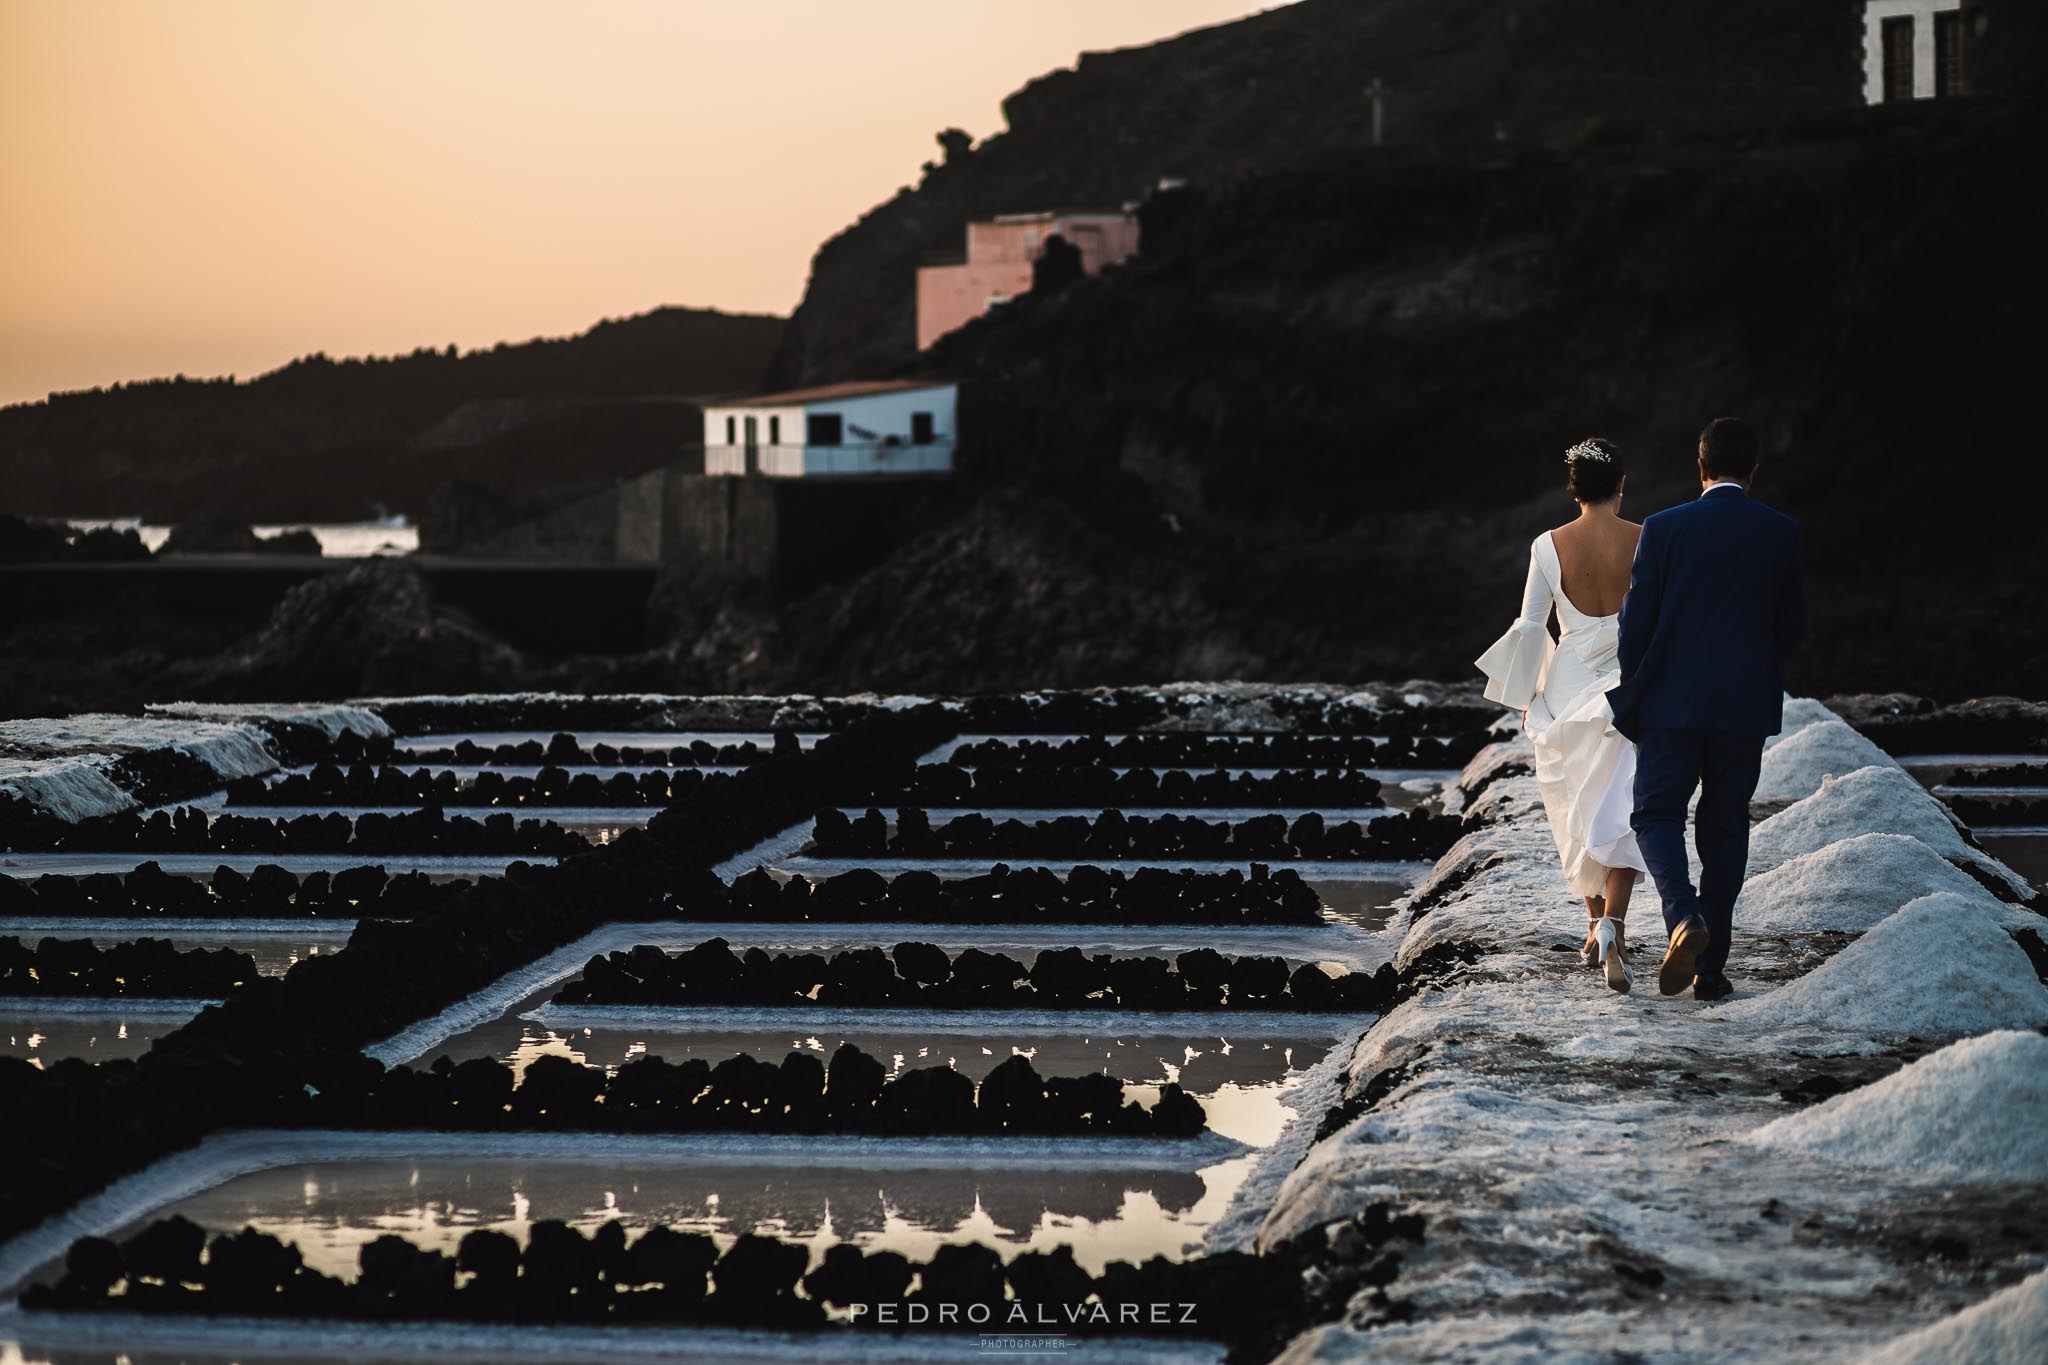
x,y
1312,429
1288,86
322,439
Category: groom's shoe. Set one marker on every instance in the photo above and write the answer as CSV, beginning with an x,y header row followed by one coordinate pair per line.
x,y
1688,941
1712,986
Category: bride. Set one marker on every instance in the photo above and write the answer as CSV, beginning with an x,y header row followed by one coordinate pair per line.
x,y
1584,767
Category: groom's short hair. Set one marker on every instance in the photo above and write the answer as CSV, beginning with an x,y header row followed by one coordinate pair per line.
x,y
1728,449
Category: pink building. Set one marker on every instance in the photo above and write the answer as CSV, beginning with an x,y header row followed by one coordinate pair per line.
x,y
999,258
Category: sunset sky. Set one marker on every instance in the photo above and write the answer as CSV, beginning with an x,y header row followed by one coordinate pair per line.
x,y
216,186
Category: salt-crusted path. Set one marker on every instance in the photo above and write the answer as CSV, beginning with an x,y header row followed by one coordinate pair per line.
x,y
1619,1177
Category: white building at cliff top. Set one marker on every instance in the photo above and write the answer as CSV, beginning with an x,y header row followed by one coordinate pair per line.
x,y
862,429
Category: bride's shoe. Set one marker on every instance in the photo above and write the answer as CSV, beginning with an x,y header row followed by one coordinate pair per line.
x,y
1614,955
1589,951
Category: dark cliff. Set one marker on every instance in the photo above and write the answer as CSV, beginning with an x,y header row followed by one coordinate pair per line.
x,y
1311,429
1287,86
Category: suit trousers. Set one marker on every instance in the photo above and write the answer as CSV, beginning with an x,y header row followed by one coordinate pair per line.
x,y
1670,765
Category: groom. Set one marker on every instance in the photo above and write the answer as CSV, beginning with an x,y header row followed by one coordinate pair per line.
x,y
1716,601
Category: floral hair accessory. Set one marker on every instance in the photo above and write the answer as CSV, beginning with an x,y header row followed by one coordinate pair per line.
x,y
1586,450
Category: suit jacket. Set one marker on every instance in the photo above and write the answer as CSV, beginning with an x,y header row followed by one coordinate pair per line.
x,y
1716,602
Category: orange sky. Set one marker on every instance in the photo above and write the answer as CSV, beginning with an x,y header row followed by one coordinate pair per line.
x,y
217,186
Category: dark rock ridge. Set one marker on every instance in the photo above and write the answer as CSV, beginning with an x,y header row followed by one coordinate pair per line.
x,y
1903,725
396,786
144,967
265,892
924,976
802,1094
422,833
563,749
1086,895
1100,786
2001,775
1390,745
1409,835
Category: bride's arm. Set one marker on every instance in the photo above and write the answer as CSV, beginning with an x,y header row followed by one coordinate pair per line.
x,y
1513,664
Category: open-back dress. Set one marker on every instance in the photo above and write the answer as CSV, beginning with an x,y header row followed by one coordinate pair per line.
x,y
1585,768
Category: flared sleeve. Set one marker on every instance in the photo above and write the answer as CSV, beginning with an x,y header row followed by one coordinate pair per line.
x,y
1514,663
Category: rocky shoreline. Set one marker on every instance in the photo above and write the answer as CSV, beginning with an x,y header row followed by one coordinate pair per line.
x,y
1628,1176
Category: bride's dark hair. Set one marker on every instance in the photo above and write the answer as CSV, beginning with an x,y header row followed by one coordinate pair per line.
x,y
1593,469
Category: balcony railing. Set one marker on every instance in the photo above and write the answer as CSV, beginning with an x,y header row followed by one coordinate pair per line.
x,y
842,461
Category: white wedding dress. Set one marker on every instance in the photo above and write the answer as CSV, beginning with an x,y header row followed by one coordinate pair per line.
x,y
1585,768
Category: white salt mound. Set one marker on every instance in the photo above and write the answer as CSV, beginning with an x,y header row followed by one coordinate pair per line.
x,y
2011,1325
1799,713
1794,770
1876,798
1940,968
1976,1110
1853,885
68,788
331,719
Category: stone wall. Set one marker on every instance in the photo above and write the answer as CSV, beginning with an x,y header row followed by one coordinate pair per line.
x,y
787,536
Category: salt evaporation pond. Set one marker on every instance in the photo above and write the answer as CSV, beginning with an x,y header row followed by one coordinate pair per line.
x,y
2025,851
1242,1075
100,1028
43,1031
275,944
1105,1211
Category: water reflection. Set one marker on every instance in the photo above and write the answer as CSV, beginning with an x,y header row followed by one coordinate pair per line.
x,y
1243,1083
275,954
332,1209
42,1036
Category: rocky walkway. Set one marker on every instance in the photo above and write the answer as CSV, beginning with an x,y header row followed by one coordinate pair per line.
x,y
1847,1159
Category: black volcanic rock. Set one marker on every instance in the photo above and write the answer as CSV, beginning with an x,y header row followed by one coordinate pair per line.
x,y
211,536
367,629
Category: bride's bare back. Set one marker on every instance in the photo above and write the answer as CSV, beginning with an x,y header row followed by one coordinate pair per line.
x,y
1594,555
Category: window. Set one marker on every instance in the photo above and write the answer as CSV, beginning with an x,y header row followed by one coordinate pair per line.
x,y
921,433
1897,35
732,431
823,429
774,431
1948,53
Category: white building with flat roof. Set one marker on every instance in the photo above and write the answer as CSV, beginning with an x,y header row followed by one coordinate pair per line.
x,y
863,429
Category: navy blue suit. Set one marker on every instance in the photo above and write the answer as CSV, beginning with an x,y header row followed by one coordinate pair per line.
x,y
1716,601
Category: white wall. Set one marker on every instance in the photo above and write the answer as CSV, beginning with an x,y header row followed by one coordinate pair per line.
x,y
888,414
792,419
1875,12
882,415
